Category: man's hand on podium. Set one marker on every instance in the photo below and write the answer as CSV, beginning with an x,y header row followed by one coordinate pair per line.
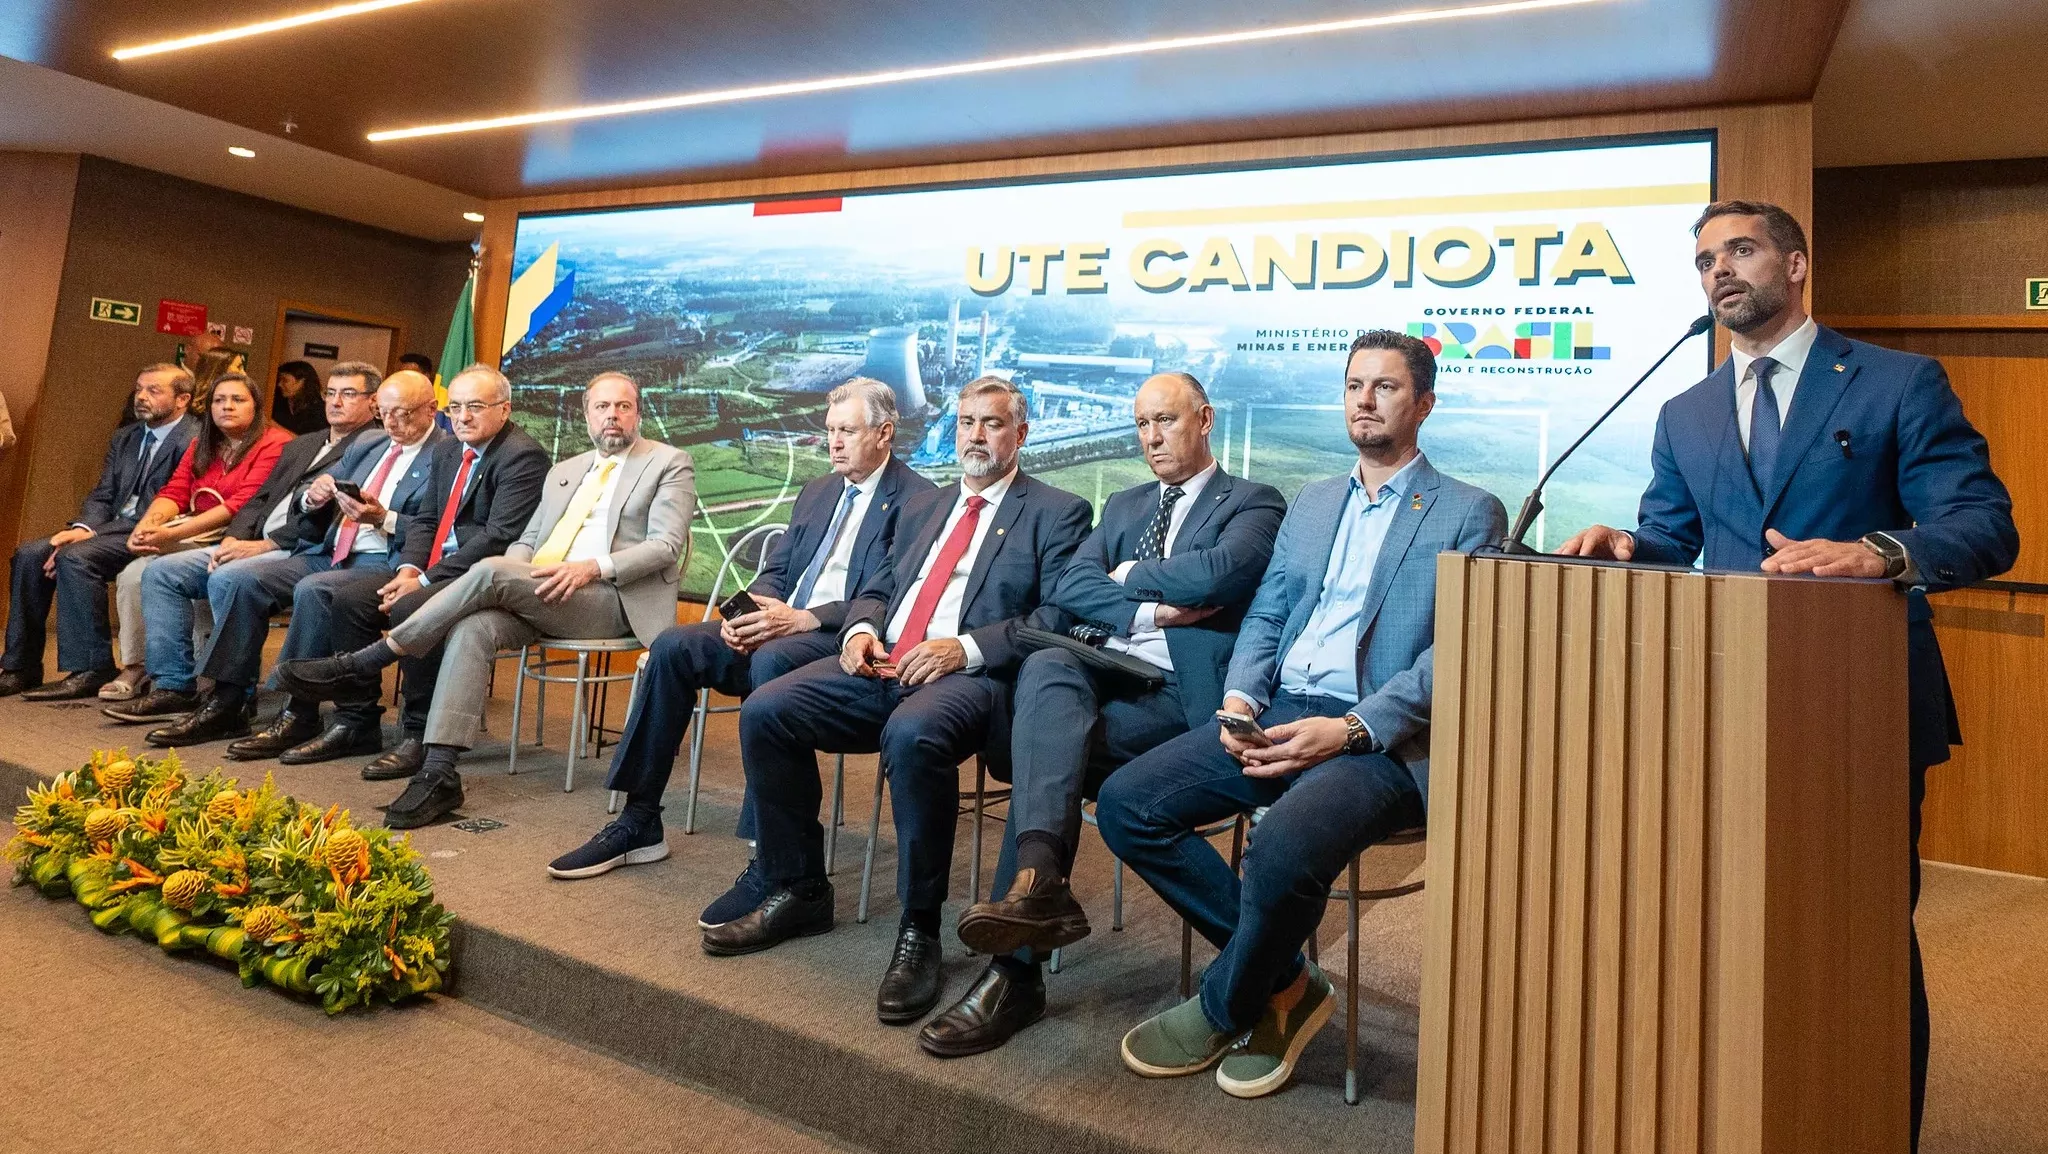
x,y
1599,542
1822,558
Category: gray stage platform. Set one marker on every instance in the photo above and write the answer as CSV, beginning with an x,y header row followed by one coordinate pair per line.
x,y
613,964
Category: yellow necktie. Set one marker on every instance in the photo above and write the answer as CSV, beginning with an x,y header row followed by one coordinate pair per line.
x,y
556,548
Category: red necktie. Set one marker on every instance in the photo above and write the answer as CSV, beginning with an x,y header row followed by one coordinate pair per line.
x,y
936,580
447,524
345,539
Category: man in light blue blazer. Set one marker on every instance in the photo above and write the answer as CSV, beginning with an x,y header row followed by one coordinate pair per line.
x,y
1334,663
1806,452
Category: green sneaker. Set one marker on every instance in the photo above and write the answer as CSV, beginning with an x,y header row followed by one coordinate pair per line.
x,y
1178,1041
1264,1061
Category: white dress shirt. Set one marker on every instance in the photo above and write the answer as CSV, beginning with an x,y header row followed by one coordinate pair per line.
x,y
831,583
592,542
946,615
377,538
1790,354
1148,642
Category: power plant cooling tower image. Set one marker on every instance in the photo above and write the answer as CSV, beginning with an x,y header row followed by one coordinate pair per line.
x,y
892,360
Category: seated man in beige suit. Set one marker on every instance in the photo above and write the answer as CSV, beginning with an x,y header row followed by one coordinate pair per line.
x,y
598,559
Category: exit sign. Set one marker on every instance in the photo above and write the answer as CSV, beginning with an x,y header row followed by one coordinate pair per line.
x,y
116,312
2037,292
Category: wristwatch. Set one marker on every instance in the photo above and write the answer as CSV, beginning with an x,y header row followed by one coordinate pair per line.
x,y
1894,554
1357,738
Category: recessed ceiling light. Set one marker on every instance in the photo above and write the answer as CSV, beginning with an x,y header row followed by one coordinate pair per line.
x,y
972,67
473,217
244,153
278,25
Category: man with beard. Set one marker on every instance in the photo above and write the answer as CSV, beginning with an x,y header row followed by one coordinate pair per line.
x,y
1825,456
75,565
598,559
840,530
1167,574
922,677
1335,662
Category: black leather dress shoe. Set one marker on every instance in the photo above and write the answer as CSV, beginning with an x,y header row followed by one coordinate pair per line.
x,y
910,987
219,715
1038,913
284,731
326,679
785,915
999,1004
427,799
15,681
339,740
82,684
156,705
404,761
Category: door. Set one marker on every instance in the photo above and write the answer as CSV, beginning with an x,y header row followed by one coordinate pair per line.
x,y
1988,807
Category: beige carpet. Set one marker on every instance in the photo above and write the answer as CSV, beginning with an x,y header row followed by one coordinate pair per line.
x,y
1984,941
113,1046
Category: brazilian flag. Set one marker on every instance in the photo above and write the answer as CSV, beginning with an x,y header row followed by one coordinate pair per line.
x,y
459,351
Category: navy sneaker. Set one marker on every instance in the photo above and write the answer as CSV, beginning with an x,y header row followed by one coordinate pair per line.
x,y
748,891
623,842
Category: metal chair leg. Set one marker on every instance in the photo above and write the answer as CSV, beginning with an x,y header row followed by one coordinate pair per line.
x,y
1187,960
540,715
867,868
518,702
1116,897
703,711
980,805
1055,961
1351,994
579,719
838,808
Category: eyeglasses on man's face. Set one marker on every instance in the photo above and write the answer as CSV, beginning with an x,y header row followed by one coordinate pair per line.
x,y
472,408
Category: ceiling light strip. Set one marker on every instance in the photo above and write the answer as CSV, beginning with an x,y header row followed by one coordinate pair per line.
x,y
281,24
969,68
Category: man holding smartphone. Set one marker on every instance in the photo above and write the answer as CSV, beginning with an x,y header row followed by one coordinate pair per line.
x,y
840,532
1329,695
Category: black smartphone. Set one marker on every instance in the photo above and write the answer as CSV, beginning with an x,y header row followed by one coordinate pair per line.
x,y
738,605
349,489
1243,728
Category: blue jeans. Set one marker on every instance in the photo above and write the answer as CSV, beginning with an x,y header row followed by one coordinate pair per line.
x,y
169,587
1320,820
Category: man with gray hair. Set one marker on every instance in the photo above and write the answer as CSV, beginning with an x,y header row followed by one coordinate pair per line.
x,y
840,532
923,677
598,559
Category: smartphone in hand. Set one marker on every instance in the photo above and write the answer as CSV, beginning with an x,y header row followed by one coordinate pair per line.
x,y
349,489
1243,728
738,605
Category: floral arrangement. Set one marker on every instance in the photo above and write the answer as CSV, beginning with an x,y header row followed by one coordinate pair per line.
x,y
293,895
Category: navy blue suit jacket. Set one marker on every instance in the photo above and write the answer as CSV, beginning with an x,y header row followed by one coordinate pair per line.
x,y
1219,553
317,527
496,503
809,519
122,476
1914,468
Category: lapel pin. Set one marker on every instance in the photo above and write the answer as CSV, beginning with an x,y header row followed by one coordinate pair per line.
x,y
885,505
999,532
1416,503
1840,369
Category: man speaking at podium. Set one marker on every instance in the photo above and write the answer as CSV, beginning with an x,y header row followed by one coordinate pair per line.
x,y
1806,452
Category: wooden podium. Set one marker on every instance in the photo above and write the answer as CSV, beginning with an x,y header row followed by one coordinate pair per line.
x,y
1667,863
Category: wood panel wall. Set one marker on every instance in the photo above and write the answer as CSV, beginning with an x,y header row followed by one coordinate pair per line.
x,y
36,193
1666,880
1764,152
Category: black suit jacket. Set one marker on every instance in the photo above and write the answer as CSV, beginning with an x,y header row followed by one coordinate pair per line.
x,y
1034,534
1218,555
294,471
811,517
496,505
122,476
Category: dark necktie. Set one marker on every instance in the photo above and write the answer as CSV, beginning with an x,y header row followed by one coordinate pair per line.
x,y
801,599
1765,424
1152,546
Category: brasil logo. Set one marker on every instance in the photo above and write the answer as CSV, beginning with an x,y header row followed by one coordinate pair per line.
x,y
1533,341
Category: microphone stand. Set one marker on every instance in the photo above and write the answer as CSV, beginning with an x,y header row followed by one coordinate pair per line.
x,y
1531,507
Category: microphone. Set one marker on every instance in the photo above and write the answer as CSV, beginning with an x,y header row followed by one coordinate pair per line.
x,y
1512,543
